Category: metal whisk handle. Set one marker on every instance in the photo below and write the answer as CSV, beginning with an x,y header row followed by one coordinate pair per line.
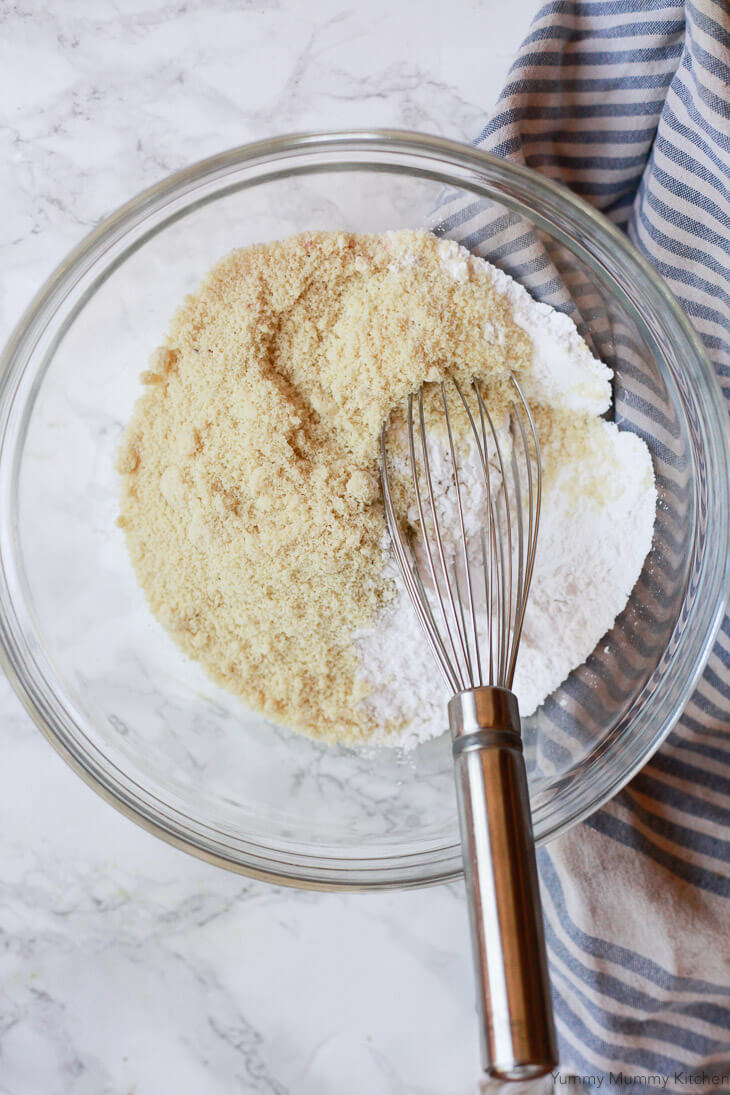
x,y
515,1008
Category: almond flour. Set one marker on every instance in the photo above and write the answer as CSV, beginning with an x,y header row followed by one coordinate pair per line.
x,y
250,493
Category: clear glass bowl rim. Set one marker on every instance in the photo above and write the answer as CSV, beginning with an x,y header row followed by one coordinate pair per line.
x,y
608,252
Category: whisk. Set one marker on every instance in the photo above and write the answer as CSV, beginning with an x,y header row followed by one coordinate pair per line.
x,y
471,609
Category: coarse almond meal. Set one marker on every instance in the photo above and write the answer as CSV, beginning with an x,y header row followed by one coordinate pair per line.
x,y
250,498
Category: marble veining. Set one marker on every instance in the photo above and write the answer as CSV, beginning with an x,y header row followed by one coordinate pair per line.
x,y
127,967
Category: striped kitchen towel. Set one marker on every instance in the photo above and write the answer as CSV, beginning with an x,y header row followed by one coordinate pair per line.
x,y
628,103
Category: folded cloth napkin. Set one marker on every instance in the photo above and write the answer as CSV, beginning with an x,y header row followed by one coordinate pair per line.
x,y
627,102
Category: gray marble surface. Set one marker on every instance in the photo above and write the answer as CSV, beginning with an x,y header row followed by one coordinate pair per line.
x,y
128,968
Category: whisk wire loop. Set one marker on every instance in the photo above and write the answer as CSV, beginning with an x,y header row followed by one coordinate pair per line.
x,y
534,494
505,594
412,579
455,668
465,553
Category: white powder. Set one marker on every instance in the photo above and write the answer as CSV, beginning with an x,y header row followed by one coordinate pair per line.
x,y
596,529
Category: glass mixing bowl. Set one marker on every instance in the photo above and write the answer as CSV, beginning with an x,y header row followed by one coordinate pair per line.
x,y
142,724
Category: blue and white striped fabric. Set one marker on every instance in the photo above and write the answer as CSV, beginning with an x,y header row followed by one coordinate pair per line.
x,y
628,103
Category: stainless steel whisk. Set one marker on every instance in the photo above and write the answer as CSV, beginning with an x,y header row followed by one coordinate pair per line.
x,y
473,623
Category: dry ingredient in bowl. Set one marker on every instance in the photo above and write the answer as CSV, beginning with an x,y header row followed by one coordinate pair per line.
x,y
250,493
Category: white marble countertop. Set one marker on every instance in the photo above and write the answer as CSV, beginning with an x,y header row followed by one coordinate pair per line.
x,y
126,966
